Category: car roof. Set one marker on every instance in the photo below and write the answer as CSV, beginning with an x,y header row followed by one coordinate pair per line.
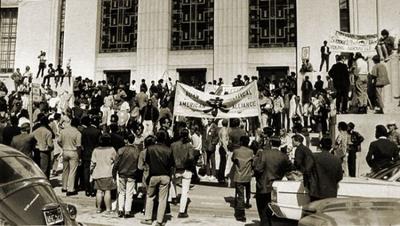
x,y
6,151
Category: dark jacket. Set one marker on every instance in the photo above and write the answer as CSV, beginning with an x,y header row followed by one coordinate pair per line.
x,y
117,141
303,159
183,155
328,172
9,132
159,159
304,162
211,138
234,138
90,140
149,112
340,76
269,165
381,152
323,51
242,159
126,164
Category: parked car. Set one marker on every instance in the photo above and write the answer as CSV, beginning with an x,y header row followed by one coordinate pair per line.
x,y
352,211
289,197
26,196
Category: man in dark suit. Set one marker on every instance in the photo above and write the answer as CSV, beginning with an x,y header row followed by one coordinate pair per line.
x,y
341,82
90,140
269,165
382,151
325,52
303,160
328,172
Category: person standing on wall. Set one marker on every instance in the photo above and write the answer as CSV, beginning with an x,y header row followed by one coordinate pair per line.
x,y
378,80
42,63
353,146
325,52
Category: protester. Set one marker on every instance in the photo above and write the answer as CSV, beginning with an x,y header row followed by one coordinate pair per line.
x,y
328,170
385,45
24,142
378,80
70,142
160,161
126,166
341,82
269,165
242,161
90,139
340,146
354,141
44,145
382,151
393,135
325,52
303,160
103,157
184,155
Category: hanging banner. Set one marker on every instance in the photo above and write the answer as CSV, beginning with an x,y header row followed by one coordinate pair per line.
x,y
190,102
346,42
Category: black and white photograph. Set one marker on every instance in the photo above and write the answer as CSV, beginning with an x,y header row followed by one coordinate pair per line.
x,y
200,112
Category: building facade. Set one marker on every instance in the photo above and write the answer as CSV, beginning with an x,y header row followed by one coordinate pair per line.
x,y
183,39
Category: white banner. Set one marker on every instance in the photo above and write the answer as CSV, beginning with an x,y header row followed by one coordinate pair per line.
x,y
221,90
190,102
346,42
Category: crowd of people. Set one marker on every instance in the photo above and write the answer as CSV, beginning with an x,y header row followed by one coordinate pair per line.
x,y
123,137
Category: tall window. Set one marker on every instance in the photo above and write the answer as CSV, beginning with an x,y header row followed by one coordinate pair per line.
x,y
272,23
61,40
344,15
118,25
8,37
192,24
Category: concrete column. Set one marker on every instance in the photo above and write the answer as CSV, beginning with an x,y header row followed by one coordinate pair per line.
x,y
36,33
153,39
80,36
231,34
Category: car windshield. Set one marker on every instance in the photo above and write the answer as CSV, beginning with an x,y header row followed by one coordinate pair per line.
x,y
15,168
385,174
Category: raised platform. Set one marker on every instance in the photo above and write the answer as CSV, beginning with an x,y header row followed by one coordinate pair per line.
x,y
365,124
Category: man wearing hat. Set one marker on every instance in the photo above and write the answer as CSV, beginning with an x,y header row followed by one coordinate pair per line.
x,y
24,142
393,135
382,151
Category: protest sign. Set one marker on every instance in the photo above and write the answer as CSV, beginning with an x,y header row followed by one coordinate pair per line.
x,y
346,42
190,102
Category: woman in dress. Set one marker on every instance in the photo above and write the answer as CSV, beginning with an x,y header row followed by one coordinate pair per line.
x,y
103,158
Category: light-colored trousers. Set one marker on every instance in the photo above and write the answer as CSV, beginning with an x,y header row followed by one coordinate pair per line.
x,y
70,165
126,190
160,184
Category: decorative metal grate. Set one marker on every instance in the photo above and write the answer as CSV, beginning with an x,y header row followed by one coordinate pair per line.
x,y
118,26
61,37
272,23
8,38
192,24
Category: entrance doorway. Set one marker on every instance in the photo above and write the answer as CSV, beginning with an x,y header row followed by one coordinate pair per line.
x,y
118,77
272,73
192,76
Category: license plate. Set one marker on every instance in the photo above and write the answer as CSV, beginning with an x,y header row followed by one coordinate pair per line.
x,y
53,216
